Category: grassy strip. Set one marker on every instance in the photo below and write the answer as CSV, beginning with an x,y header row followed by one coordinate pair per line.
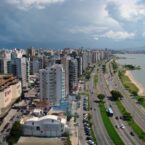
x,y
92,131
127,83
114,66
86,93
130,86
95,80
140,133
109,127
143,102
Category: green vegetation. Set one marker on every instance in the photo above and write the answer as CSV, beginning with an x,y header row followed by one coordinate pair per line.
x,y
131,67
109,127
86,93
141,100
69,115
78,97
104,68
131,88
116,95
114,66
136,128
92,131
128,84
101,97
95,80
15,133
87,73
67,141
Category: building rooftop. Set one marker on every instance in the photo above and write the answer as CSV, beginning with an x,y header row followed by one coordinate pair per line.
x,y
53,117
7,80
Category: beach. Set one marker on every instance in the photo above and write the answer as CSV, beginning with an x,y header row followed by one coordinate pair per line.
x,y
138,85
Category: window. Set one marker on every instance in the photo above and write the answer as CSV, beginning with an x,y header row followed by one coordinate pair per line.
x,y
38,128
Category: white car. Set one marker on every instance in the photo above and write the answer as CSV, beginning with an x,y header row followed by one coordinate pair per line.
x,y
122,126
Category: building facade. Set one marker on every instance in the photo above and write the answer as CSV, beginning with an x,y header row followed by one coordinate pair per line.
x,y
10,91
46,126
52,84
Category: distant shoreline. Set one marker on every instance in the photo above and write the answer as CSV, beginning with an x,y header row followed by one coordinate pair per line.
x,y
141,88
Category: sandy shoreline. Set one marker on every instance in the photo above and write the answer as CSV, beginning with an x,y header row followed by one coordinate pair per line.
x,y
138,85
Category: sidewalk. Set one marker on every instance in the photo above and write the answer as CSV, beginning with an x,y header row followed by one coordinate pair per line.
x,y
74,133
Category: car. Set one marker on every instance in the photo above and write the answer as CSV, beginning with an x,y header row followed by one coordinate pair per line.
x,y
131,133
86,125
87,133
89,138
87,128
90,141
85,118
121,117
85,121
122,126
117,126
116,117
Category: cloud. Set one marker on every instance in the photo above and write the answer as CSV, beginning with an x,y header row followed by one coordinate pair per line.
x,y
143,34
129,10
119,35
26,4
87,29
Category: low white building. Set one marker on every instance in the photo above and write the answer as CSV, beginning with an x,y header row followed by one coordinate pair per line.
x,y
46,126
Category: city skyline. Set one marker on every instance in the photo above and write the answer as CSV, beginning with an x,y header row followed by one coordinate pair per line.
x,y
72,23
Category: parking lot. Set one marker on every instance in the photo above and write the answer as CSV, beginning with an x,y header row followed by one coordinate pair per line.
x,y
84,128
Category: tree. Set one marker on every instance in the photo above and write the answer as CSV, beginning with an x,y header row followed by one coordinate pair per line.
x,y
78,97
101,97
15,133
134,93
141,100
69,116
127,116
116,95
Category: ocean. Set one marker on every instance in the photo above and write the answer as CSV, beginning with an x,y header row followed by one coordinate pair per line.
x,y
135,59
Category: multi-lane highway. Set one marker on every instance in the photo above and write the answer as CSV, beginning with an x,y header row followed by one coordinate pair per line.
x,y
124,133
137,111
99,129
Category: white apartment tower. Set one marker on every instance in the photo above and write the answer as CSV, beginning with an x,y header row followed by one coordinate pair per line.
x,y
52,84
20,67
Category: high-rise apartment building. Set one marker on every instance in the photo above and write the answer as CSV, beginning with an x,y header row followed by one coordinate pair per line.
x,y
52,84
20,67
3,66
73,74
65,63
80,65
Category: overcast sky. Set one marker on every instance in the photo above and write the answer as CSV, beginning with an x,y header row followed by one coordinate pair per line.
x,y
72,23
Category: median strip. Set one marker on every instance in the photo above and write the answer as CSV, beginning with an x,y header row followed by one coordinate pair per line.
x,y
109,127
136,128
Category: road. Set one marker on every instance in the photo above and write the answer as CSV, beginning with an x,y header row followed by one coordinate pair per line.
x,y
81,133
124,133
137,111
99,129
